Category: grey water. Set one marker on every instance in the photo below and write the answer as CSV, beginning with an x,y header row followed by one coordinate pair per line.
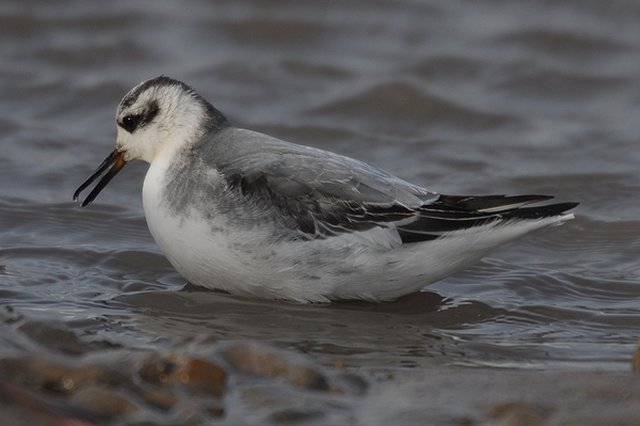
x,y
460,97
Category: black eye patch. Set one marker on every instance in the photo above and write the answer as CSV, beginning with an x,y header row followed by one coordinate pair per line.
x,y
133,121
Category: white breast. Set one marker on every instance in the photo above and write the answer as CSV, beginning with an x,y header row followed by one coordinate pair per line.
x,y
209,252
185,237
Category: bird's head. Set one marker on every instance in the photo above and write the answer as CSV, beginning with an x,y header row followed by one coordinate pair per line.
x,y
158,115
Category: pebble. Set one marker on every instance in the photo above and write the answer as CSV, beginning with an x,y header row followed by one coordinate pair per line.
x,y
196,375
57,377
103,402
201,376
160,399
258,360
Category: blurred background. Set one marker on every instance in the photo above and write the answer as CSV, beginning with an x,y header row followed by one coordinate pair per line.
x,y
462,97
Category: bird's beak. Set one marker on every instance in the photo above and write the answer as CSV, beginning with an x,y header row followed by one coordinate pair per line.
x,y
114,163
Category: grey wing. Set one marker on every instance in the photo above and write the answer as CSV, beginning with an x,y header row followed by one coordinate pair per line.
x,y
293,170
324,201
319,193
322,194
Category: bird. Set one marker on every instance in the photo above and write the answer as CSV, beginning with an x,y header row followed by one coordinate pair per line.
x,y
249,214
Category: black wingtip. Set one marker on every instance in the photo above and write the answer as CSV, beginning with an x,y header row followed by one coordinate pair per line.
x,y
490,203
539,212
453,213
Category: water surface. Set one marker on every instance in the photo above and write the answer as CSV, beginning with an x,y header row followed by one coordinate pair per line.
x,y
489,97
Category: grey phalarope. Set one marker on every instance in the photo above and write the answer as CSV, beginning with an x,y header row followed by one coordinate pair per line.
x,y
244,212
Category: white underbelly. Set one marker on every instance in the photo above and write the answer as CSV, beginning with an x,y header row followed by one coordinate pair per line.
x,y
198,248
210,252
247,263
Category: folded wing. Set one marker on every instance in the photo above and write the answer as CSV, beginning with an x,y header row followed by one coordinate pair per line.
x,y
320,194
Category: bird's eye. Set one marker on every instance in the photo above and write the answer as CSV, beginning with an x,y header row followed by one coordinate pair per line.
x,y
130,122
